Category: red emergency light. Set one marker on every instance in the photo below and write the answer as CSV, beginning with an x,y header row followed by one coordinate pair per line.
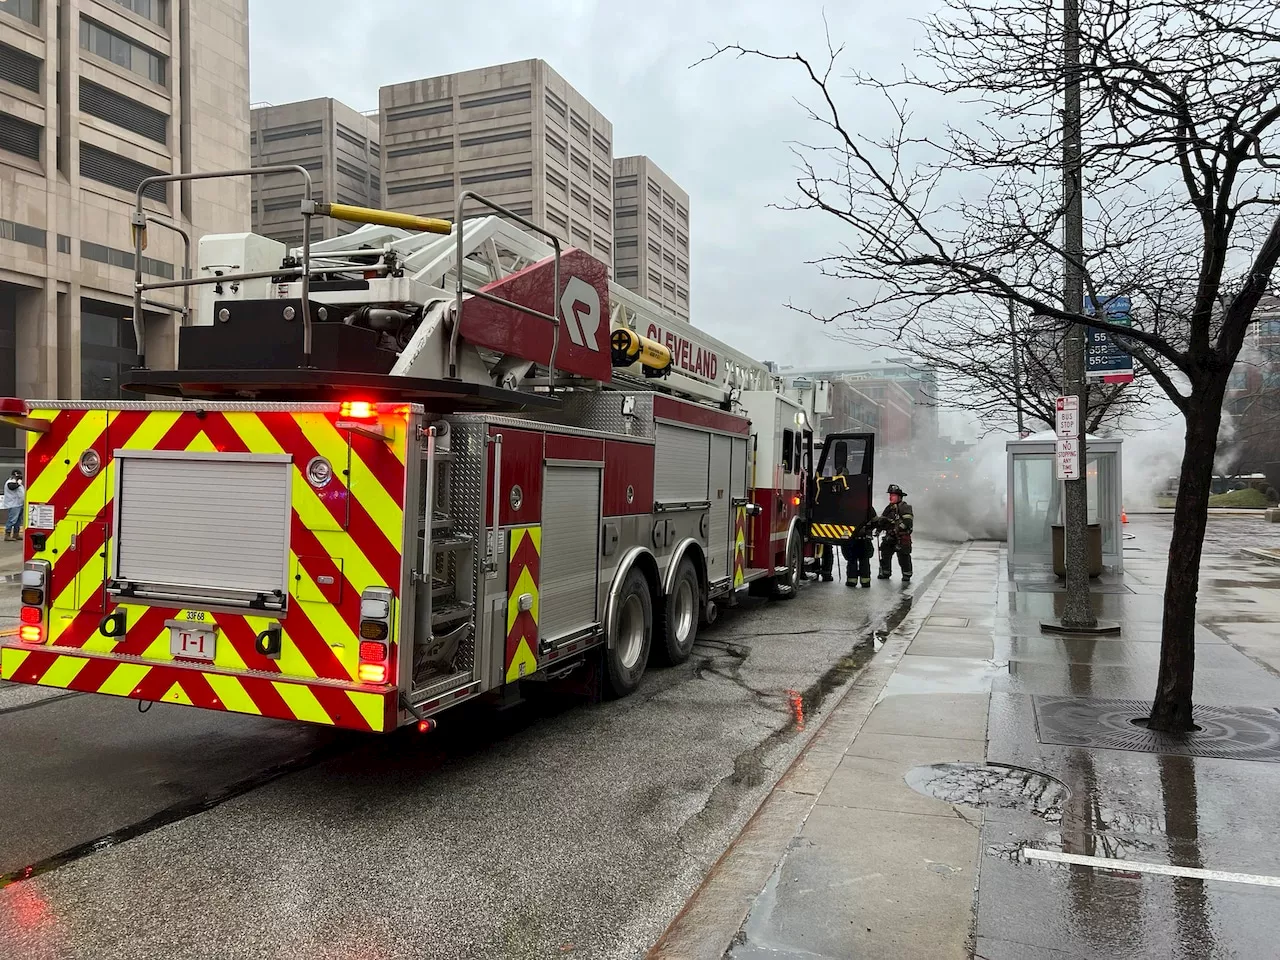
x,y
32,615
357,410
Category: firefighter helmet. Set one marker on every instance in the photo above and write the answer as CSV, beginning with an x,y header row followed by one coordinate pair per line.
x,y
894,488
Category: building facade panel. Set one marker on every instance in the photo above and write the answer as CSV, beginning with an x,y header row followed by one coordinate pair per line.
x,y
651,234
104,93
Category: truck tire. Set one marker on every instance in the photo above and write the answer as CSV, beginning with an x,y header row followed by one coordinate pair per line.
x,y
631,635
677,626
786,586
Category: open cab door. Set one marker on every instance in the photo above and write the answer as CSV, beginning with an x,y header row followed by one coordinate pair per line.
x,y
840,498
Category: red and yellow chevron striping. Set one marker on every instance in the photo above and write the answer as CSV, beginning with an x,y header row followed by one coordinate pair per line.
x,y
369,709
523,570
739,547
344,538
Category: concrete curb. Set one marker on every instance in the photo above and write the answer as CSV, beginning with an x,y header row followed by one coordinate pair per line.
x,y
714,914
1269,556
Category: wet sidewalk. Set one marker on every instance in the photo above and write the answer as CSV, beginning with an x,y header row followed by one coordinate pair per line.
x,y
981,791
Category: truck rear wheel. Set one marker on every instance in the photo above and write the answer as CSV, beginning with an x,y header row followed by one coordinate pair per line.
x,y
677,627
785,586
631,635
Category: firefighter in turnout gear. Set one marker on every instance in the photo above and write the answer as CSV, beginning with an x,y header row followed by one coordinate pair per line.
x,y
896,523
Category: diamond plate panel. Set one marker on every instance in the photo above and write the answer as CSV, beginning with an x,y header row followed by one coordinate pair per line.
x,y
1230,733
468,446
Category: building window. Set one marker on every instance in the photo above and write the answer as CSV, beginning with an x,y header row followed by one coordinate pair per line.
x,y
682,268
1271,379
1270,327
627,211
558,145
64,243
498,175
602,215
557,219
375,183
28,10
682,294
579,125
601,180
669,260
496,98
623,182
290,133
556,104
581,236
430,146
626,243
351,137
18,66
426,110
353,172
655,191
114,257
557,181
21,233
654,218
602,146
497,137
122,51
581,200
20,137
412,186
373,149
288,203
627,273
124,112
668,203
108,351
682,215
656,279
603,247
153,10
580,162
655,248
1239,380
669,230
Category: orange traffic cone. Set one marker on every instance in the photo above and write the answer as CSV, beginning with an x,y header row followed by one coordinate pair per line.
x,y
1124,517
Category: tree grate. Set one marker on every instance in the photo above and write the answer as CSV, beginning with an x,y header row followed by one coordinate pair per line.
x,y
1228,733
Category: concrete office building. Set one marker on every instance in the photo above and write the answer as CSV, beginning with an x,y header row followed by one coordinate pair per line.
x,y
651,234
339,148
95,96
517,133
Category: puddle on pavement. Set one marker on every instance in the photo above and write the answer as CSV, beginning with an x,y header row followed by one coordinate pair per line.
x,y
983,786
944,675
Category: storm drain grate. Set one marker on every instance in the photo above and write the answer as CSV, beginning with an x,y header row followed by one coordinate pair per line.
x,y
1230,733
1056,586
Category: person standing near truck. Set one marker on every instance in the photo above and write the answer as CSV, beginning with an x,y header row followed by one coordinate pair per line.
x,y
897,521
12,501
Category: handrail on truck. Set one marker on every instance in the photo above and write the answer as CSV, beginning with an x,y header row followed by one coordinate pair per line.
x,y
461,287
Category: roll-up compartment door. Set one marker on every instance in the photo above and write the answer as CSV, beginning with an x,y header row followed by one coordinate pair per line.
x,y
570,550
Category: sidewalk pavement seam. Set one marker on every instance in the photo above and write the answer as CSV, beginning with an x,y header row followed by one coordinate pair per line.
x,y
712,916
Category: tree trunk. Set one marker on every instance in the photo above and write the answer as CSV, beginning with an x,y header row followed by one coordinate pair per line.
x,y
1172,709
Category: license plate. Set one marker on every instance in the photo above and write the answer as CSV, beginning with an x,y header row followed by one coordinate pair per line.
x,y
192,644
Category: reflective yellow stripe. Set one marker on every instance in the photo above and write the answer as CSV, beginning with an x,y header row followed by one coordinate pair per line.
x,y
335,631
292,663
11,660
62,671
370,707
303,702
231,694
124,678
59,468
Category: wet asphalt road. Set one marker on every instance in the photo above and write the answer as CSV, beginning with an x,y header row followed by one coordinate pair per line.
x,y
556,828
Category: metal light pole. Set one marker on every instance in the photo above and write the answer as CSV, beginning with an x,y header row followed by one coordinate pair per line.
x,y
1079,610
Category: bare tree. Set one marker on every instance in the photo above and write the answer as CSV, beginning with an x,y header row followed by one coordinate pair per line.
x,y
1180,107
1007,371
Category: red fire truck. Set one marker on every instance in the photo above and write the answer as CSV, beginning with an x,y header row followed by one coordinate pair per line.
x,y
396,470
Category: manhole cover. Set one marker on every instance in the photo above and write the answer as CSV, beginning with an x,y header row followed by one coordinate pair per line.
x,y
948,621
1231,733
984,785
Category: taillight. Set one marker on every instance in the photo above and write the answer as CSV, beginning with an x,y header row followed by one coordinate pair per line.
x,y
375,635
35,600
357,409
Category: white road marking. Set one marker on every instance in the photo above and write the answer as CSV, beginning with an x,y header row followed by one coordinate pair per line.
x,y
1136,866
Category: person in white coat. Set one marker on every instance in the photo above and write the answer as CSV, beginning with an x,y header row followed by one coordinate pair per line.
x,y
12,500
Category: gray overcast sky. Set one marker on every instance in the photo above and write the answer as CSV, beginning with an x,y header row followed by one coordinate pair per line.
x,y
719,130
